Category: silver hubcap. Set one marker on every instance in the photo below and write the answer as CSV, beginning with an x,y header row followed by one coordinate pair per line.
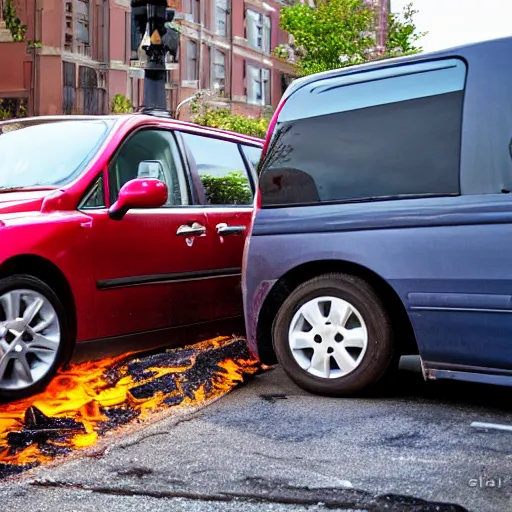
x,y
328,337
29,338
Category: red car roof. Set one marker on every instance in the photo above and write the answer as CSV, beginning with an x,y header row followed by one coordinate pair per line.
x,y
138,119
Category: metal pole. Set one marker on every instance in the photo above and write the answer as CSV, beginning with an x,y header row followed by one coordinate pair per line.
x,y
184,102
154,73
150,18
154,89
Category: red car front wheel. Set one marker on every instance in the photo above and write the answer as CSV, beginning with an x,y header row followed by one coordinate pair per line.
x,y
33,336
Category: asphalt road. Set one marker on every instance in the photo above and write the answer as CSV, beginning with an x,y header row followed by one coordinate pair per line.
x,y
270,446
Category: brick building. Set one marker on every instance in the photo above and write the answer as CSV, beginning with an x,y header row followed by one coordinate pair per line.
x,y
227,46
86,58
384,9
82,63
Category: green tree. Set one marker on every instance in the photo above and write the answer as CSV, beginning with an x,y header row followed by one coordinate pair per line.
x,y
338,33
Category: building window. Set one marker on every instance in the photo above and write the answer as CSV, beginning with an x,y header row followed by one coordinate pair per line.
x,y
258,86
221,17
127,36
68,31
191,60
258,30
191,9
219,70
135,38
69,88
77,27
82,22
91,98
286,80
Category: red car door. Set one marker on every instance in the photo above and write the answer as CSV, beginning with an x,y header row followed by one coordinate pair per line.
x,y
228,195
152,268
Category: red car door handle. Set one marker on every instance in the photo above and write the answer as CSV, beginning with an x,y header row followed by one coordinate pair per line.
x,y
193,229
224,229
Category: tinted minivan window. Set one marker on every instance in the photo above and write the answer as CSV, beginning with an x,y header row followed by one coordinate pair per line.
x,y
382,150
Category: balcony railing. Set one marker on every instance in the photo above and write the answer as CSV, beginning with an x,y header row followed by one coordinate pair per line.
x,y
84,50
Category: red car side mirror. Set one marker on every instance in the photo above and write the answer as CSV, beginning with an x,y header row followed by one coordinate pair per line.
x,y
139,193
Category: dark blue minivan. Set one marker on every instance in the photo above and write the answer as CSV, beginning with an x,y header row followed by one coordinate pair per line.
x,y
384,223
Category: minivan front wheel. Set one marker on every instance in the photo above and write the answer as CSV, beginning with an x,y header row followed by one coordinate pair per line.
x,y
333,337
33,336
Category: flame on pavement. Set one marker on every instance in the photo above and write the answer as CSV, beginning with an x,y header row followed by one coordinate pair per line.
x,y
89,399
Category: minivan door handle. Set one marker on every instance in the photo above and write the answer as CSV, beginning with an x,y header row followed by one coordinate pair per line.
x,y
223,229
193,229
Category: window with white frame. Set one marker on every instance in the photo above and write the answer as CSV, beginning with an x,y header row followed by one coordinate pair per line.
x,y
77,20
258,30
191,60
191,10
221,17
82,22
258,86
219,70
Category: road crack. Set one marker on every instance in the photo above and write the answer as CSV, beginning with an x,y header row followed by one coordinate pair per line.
x,y
149,435
329,498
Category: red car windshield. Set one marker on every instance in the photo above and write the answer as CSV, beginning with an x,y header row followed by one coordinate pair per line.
x,y
48,154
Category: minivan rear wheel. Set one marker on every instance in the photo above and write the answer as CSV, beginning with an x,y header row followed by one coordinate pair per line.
x,y
333,336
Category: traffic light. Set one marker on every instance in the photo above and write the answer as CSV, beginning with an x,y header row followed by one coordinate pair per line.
x,y
148,21
149,18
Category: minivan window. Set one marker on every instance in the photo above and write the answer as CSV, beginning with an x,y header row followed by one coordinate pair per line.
x,y
153,145
362,151
253,154
222,170
49,154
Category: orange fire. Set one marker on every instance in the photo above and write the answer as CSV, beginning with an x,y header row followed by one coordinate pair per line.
x,y
86,393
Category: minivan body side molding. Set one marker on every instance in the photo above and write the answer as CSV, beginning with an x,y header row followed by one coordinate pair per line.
x,y
397,214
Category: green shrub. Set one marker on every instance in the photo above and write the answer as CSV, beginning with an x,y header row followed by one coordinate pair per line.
x,y
12,22
230,189
12,108
121,105
222,118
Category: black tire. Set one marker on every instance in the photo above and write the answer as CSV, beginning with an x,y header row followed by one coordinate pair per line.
x,y
66,345
380,357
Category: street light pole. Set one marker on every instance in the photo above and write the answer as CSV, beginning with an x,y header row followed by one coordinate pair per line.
x,y
182,103
194,96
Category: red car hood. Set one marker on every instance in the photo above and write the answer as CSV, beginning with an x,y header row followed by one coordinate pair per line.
x,y
22,201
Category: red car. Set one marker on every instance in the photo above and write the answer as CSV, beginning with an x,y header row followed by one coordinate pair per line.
x,y
122,227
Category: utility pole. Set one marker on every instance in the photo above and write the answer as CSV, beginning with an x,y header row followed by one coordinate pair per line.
x,y
150,18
